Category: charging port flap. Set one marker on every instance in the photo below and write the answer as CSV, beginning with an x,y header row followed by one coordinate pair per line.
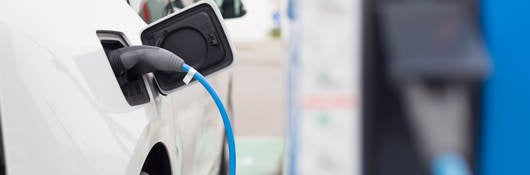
x,y
197,35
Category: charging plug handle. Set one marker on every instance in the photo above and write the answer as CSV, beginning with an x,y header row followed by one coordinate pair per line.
x,y
139,60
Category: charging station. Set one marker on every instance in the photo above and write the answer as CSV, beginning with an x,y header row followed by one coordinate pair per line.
x,y
417,95
442,87
496,124
423,66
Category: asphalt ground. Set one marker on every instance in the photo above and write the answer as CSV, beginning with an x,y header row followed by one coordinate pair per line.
x,y
259,89
259,99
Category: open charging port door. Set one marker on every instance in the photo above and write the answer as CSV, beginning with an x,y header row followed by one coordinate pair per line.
x,y
196,34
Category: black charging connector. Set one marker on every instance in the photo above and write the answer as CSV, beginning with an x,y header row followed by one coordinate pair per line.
x,y
131,63
139,60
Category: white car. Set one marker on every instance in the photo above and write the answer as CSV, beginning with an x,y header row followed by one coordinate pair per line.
x,y
63,111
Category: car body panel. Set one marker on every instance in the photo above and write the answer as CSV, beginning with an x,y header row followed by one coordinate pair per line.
x,y
63,111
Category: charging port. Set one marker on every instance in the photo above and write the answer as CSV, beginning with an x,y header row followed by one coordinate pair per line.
x,y
133,87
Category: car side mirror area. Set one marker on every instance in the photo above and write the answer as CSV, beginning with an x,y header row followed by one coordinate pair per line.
x,y
197,34
232,9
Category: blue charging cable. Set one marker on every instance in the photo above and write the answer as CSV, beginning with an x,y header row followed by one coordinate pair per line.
x,y
224,115
145,59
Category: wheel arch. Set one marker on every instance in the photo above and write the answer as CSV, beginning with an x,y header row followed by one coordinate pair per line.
x,y
157,161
